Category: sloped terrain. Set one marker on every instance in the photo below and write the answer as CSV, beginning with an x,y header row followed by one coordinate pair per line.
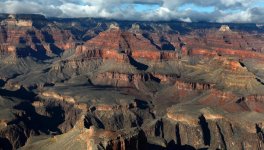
x,y
104,84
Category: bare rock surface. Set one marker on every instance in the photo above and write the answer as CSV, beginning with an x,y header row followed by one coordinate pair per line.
x,y
102,84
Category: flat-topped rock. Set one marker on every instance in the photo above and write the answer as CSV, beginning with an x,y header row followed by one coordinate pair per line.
x,y
225,28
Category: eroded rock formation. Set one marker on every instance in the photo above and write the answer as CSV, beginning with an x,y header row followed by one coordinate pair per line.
x,y
99,84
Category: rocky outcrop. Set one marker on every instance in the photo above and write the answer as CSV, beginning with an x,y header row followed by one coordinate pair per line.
x,y
57,96
14,136
26,36
92,139
98,84
207,130
20,23
225,28
181,85
224,39
242,54
114,43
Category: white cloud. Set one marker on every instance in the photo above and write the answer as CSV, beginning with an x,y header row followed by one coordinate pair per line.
x,y
28,7
242,16
224,10
72,10
185,19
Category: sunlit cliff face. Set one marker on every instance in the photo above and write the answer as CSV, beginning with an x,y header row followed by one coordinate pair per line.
x,y
91,83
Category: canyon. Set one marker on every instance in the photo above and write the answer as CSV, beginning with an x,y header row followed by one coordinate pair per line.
x,y
91,83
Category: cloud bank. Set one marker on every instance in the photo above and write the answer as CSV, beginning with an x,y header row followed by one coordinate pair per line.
x,y
185,10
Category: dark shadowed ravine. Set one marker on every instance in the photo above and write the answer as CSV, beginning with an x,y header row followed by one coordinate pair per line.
x,y
78,84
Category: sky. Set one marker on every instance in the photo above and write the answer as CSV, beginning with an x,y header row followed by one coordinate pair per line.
x,y
223,11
